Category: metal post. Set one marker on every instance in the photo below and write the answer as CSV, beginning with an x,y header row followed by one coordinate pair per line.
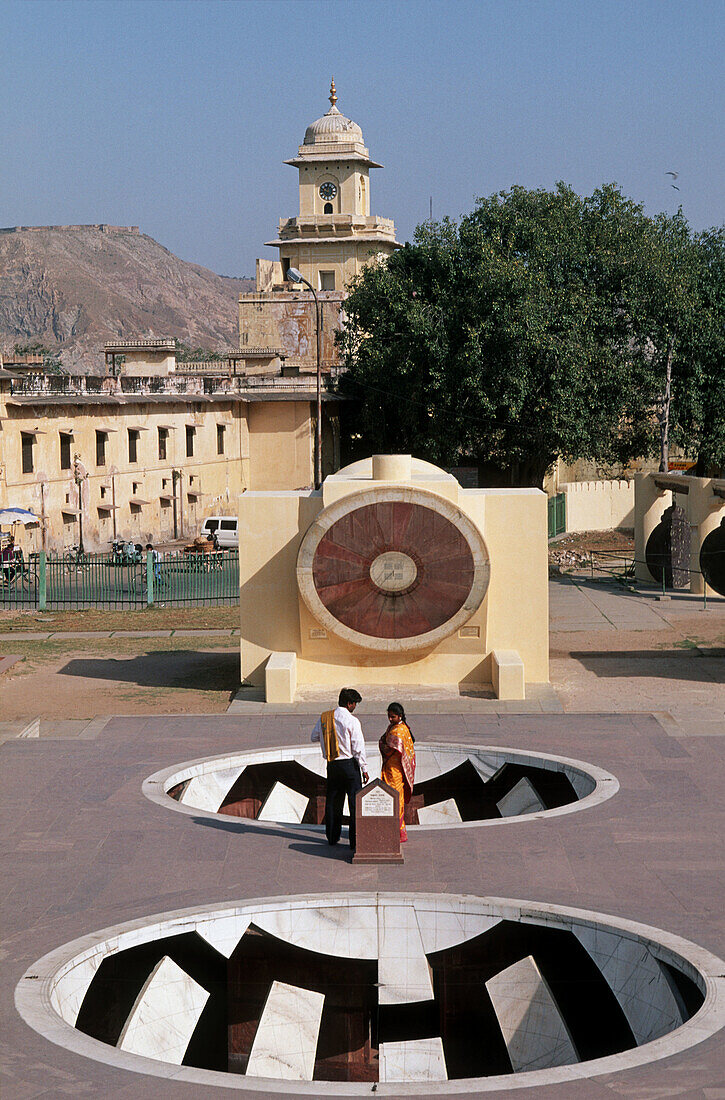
x,y
42,581
149,577
296,276
176,474
78,478
318,424
43,535
113,502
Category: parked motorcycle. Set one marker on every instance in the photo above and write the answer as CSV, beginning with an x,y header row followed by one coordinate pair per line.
x,y
126,553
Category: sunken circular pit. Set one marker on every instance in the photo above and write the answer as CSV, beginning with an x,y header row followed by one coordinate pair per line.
x,y
456,785
314,994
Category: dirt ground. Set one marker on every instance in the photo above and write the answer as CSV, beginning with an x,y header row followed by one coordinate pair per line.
x,y
150,618
83,679
582,551
582,541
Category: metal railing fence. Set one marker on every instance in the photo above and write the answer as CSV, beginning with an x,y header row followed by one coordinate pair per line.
x,y
620,566
76,581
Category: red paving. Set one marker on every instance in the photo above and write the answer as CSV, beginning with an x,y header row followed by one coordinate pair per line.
x,y
86,850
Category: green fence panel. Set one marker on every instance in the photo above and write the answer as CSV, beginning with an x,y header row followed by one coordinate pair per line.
x,y
556,515
149,578
19,581
560,513
173,579
42,580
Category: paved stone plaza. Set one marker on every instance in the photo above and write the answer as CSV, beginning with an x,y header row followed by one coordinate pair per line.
x,y
86,850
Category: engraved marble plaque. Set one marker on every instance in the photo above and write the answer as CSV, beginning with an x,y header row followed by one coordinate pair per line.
x,y
377,803
377,817
393,571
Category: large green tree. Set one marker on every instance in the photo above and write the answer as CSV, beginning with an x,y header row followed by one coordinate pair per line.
x,y
664,306
516,336
698,382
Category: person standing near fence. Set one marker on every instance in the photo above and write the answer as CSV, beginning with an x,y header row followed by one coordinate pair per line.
x,y
8,560
156,557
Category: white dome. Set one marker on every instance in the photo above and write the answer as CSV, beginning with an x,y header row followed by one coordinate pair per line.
x,y
333,126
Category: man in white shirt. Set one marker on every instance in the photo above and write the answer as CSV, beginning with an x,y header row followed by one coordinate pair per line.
x,y
343,747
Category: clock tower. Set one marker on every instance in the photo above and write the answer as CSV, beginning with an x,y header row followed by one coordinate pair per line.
x,y
334,235
330,241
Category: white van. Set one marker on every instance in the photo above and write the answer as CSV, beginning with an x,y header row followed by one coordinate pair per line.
x,y
226,529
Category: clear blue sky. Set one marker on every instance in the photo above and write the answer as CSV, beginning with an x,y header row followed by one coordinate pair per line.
x,y
177,115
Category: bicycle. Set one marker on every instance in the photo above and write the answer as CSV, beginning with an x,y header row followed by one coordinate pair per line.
x,y
16,571
75,559
139,581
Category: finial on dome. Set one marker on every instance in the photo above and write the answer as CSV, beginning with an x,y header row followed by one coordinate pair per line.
x,y
333,93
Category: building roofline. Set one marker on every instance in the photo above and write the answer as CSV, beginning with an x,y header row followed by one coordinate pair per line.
x,y
364,237
297,161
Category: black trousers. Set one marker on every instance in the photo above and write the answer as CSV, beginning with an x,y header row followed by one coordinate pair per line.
x,y
343,778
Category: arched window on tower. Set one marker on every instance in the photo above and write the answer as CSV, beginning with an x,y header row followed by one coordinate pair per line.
x,y
328,207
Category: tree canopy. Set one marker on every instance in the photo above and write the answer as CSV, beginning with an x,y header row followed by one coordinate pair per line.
x,y
699,376
539,326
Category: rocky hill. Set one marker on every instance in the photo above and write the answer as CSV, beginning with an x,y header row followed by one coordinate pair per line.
x,y
74,287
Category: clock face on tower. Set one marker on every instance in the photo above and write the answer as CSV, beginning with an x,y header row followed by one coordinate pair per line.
x,y
328,190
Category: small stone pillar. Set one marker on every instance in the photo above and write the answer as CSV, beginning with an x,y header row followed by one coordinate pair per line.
x,y
649,504
392,467
377,824
704,511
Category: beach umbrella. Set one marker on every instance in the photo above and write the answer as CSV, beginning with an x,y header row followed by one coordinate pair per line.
x,y
17,515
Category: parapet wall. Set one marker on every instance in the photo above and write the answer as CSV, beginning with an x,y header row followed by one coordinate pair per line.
x,y
598,505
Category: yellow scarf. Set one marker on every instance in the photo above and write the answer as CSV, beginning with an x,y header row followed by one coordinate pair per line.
x,y
329,735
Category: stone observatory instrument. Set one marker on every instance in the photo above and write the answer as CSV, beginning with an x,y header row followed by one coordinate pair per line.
x,y
393,573
393,568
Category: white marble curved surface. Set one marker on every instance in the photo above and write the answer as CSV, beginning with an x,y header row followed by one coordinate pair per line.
x,y
164,1014
285,1044
629,955
214,777
533,1028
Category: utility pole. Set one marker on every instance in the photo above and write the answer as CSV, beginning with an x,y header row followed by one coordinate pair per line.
x,y
295,276
79,476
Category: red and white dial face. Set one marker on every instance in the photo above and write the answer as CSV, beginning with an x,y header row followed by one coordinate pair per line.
x,y
393,571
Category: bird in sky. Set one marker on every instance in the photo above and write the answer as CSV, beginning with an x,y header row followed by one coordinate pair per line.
x,y
675,186
673,174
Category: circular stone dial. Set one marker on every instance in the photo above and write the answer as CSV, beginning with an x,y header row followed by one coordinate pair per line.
x,y
393,569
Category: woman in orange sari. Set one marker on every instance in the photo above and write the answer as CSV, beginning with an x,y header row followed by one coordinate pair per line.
x,y
396,749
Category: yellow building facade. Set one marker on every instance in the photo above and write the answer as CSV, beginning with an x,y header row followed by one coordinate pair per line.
x,y
146,457
151,448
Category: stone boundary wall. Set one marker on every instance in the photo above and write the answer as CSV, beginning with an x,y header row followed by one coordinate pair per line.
x,y
101,227
598,505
